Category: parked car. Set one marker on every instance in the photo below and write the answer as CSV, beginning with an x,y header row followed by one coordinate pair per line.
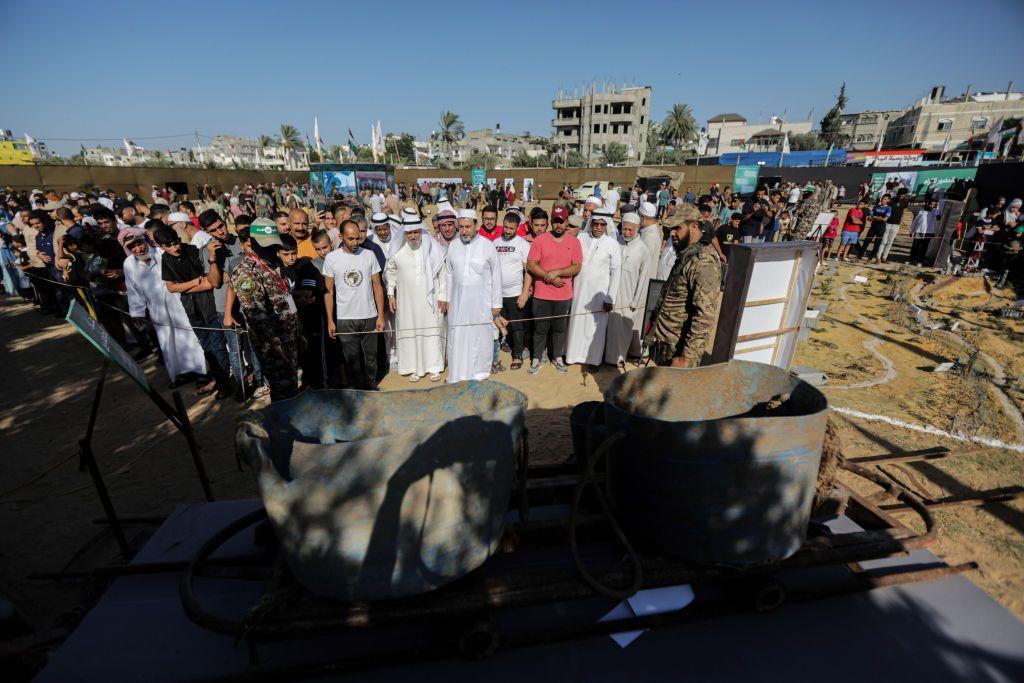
x,y
587,189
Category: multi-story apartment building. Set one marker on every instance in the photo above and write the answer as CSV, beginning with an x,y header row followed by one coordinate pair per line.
x,y
589,121
934,119
729,133
864,129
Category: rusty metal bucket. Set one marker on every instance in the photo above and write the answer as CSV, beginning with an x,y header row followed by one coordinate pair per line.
x,y
379,495
706,471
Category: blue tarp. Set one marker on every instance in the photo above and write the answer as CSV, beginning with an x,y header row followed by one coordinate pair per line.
x,y
811,157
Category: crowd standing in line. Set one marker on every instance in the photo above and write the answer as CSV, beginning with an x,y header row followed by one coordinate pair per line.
x,y
272,290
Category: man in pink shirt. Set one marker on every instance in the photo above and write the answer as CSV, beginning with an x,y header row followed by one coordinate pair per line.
x,y
555,258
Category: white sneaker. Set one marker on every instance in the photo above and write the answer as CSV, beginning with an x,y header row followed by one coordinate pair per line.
x,y
534,366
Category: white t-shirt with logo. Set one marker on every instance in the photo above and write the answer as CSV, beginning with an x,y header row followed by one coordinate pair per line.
x,y
512,258
353,283
611,201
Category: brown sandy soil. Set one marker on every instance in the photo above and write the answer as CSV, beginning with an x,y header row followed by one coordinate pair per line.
x,y
992,535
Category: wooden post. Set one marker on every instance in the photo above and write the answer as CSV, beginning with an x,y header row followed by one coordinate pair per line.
x,y
108,506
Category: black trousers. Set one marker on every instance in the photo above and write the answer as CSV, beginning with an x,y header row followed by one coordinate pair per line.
x,y
874,240
919,249
360,351
559,327
516,330
313,361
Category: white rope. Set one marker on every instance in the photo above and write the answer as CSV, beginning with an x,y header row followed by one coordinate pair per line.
x,y
928,429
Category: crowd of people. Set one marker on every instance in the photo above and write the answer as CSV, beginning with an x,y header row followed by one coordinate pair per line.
x,y
259,290
294,297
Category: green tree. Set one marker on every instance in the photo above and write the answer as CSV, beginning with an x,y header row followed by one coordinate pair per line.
x,y
403,143
575,159
831,131
522,159
615,153
365,154
481,160
334,151
679,127
452,129
802,141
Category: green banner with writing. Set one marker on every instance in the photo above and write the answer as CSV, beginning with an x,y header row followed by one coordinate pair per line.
x,y
745,180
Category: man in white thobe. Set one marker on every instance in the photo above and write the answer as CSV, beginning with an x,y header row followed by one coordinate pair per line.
x,y
472,300
626,320
415,284
147,293
651,234
594,292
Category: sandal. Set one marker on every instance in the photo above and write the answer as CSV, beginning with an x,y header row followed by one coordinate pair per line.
x,y
207,389
414,377
435,377
516,364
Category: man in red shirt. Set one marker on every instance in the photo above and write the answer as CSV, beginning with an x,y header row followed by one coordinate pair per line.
x,y
490,228
851,229
555,258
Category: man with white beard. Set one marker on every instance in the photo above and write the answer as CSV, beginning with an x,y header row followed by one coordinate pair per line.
x,y
415,285
472,301
651,234
627,318
594,291
147,294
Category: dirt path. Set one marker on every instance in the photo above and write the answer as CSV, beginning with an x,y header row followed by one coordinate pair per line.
x,y
870,344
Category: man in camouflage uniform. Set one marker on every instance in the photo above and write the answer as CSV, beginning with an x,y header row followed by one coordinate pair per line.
x,y
809,209
687,309
268,308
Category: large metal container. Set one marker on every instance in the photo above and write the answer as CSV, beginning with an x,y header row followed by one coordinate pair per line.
x,y
700,475
386,494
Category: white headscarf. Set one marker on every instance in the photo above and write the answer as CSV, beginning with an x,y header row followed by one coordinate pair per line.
x,y
430,252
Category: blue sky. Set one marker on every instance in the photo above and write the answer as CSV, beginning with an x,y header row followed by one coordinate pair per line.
x,y
138,69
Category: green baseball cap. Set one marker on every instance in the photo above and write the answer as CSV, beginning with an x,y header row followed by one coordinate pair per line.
x,y
264,231
684,213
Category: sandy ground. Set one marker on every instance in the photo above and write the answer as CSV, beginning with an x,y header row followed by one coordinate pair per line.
x,y
860,315
47,506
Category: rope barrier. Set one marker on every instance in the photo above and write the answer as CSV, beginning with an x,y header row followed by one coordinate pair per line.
x,y
402,330
89,297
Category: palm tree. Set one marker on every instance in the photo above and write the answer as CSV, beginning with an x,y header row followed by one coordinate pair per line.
x,y
290,139
679,125
335,152
452,129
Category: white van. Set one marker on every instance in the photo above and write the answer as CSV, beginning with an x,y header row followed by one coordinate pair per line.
x,y
587,189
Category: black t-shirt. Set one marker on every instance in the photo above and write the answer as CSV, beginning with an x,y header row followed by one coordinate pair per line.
x,y
727,235
308,288
187,266
898,207
751,227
